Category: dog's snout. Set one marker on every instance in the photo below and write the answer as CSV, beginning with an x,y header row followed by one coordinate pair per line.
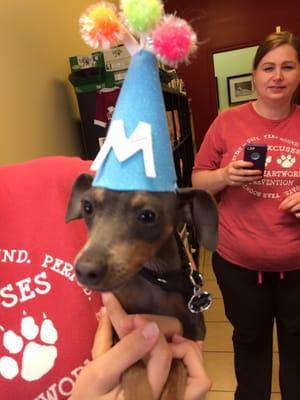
x,y
88,273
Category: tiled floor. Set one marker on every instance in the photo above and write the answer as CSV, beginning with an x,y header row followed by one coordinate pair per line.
x,y
218,352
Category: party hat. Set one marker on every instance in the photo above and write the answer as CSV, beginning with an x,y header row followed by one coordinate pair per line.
x,y
137,153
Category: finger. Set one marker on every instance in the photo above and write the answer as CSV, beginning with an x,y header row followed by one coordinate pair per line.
x,y
239,164
198,381
103,337
197,345
124,323
115,312
289,206
191,356
286,203
168,326
248,172
126,352
158,364
243,181
294,209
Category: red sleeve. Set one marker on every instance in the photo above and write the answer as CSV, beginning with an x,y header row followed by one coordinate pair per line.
x,y
210,153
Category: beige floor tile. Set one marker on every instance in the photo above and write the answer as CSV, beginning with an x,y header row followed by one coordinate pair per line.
x,y
218,336
219,366
275,344
208,273
275,396
219,396
216,312
212,287
219,332
275,382
230,396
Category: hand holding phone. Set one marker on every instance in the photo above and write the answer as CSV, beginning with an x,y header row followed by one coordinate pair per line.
x,y
256,153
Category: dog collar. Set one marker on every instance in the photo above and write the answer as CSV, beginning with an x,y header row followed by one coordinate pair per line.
x,y
187,281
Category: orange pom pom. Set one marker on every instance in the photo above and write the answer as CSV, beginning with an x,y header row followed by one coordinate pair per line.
x,y
99,26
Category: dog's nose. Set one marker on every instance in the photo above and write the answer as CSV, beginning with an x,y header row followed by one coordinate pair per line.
x,y
88,273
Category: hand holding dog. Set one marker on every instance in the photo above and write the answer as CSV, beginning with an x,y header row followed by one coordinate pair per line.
x,y
100,379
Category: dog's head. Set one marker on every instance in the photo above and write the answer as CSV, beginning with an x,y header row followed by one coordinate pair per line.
x,y
127,228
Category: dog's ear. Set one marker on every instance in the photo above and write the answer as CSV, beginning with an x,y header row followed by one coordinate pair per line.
x,y
200,212
80,186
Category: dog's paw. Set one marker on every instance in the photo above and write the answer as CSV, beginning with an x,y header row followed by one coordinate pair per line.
x,y
36,344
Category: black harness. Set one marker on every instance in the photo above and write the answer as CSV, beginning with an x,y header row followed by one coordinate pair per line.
x,y
187,281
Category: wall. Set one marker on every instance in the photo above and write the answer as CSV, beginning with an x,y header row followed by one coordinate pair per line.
x,y
37,104
225,25
231,63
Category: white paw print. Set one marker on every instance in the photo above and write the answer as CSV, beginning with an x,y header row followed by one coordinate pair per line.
x,y
37,359
286,161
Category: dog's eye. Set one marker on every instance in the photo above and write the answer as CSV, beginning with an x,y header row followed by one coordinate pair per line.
x,y
87,207
147,216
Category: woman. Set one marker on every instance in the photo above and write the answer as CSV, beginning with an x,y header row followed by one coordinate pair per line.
x,y
257,262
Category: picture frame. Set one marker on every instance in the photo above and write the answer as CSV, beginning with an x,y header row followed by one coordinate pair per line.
x,y
240,89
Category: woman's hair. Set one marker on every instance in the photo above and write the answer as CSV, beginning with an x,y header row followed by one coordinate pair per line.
x,y
273,41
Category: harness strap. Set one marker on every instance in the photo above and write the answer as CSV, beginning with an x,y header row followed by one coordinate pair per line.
x,y
188,281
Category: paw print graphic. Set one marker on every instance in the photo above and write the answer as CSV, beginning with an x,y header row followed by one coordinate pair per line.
x,y
286,161
36,344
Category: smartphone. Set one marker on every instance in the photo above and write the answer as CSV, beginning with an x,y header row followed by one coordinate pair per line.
x,y
256,153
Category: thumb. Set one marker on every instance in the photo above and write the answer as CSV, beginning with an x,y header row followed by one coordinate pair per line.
x,y
103,374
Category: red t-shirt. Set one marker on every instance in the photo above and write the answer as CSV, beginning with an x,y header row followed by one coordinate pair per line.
x,y
253,233
47,322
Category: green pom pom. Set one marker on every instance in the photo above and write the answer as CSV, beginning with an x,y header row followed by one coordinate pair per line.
x,y
142,15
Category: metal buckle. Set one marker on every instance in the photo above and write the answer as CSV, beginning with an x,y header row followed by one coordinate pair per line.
x,y
200,301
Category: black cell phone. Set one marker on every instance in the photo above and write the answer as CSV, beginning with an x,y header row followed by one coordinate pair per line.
x,y
256,153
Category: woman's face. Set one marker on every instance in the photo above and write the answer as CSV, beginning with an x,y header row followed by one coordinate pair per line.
x,y
277,75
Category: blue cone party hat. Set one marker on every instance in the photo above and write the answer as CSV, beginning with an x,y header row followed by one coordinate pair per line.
x,y
137,153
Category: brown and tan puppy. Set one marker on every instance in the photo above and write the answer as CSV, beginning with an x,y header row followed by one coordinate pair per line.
x,y
132,234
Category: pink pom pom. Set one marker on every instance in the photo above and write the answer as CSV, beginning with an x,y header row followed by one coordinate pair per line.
x,y
174,40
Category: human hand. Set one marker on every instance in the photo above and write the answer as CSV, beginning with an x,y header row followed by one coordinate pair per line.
x,y
100,379
237,173
291,204
198,382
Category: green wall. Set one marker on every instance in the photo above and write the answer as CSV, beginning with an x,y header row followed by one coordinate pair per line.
x,y
231,63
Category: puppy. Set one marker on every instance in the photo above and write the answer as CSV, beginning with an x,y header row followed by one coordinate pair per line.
x,y
133,250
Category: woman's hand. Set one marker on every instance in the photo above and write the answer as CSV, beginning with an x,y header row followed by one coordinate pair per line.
x,y
291,204
237,173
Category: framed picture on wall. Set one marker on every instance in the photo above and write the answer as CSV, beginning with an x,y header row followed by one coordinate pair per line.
x,y
240,88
